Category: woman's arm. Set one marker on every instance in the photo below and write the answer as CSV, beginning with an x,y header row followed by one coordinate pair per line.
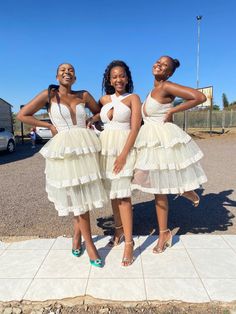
x,y
91,103
26,113
191,96
136,119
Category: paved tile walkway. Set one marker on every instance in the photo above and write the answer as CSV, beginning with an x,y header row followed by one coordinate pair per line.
x,y
198,268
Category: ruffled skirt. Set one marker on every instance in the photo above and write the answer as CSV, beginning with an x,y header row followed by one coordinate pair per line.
x,y
113,142
73,178
167,160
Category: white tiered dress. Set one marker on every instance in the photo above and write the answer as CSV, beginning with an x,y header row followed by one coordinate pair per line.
x,y
73,179
113,139
167,157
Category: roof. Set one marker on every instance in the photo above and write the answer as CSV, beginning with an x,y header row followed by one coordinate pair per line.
x,y
6,102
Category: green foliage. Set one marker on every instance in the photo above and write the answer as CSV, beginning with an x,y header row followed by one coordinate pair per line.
x,y
225,101
216,107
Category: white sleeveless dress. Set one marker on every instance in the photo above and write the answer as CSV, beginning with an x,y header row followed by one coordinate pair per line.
x,y
73,179
167,157
113,139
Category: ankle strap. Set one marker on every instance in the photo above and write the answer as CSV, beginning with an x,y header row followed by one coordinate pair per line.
x,y
130,242
119,227
160,231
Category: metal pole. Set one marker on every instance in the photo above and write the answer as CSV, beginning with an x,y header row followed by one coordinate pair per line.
x,y
199,17
22,128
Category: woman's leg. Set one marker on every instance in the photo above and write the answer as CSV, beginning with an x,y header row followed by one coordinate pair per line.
x,y
76,241
161,203
84,226
118,235
126,214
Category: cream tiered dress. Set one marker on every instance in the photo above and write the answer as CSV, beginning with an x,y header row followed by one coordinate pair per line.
x,y
73,179
113,140
167,157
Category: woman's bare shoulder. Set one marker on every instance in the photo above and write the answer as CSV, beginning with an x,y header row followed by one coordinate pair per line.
x,y
105,99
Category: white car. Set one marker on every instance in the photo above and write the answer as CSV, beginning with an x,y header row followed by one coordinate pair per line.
x,y
43,133
7,141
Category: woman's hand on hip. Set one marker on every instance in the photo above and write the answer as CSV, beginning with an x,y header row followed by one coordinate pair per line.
x,y
119,164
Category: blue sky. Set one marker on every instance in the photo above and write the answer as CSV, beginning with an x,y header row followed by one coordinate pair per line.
x,y
36,36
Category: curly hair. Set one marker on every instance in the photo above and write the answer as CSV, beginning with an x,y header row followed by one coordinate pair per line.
x,y
106,85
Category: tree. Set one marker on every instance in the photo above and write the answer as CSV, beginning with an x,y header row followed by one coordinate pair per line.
x,y
216,107
225,101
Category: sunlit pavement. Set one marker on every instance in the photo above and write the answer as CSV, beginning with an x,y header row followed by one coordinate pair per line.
x,y
197,268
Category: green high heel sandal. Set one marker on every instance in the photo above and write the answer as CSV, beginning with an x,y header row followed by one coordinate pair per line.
x,y
97,262
78,252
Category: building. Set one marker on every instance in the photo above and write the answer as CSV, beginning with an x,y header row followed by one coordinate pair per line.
x,y
6,120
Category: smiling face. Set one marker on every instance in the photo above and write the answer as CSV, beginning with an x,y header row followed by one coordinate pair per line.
x,y
118,79
163,68
66,74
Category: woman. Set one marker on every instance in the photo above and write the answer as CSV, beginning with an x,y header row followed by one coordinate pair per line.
x,y
167,158
72,171
121,115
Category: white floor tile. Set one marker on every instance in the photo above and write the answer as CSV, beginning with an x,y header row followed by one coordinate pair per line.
x,y
52,289
62,243
117,290
230,239
214,263
101,242
62,264
203,241
148,242
3,245
36,244
13,289
221,289
20,263
169,264
113,268
187,290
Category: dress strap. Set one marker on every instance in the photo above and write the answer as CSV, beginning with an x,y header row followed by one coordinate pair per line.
x,y
121,97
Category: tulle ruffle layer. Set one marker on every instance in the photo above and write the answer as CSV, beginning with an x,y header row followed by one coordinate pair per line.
x,y
118,188
77,199
75,141
113,142
162,134
73,178
167,160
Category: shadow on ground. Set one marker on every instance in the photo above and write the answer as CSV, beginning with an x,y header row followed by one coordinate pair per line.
x,y
22,151
210,216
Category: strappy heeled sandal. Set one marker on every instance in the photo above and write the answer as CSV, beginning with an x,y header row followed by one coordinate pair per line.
x,y
114,242
167,243
195,203
77,252
125,260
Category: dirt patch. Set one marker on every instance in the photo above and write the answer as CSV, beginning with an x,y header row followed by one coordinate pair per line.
x,y
69,307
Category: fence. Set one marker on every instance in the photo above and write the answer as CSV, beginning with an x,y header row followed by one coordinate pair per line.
x,y
201,119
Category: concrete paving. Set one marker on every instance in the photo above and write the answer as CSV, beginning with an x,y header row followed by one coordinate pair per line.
x,y
197,269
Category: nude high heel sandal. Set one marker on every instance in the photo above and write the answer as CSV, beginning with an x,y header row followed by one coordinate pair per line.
x,y
195,203
125,260
167,243
112,242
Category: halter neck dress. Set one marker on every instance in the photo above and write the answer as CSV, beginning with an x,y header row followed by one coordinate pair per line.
x,y
73,179
113,139
167,157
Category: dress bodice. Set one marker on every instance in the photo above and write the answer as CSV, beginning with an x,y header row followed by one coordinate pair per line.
x,y
153,110
121,113
60,116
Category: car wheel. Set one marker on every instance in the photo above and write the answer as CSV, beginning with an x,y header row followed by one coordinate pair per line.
x,y
11,146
